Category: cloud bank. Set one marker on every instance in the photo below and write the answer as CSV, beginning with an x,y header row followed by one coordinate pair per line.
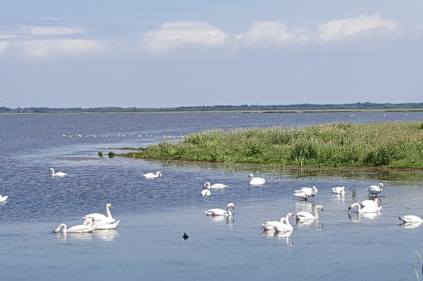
x,y
52,41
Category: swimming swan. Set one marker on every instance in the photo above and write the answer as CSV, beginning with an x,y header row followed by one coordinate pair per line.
x,y
58,174
303,215
368,202
411,219
205,191
338,190
375,189
256,180
101,225
309,191
221,212
3,198
367,209
270,225
81,228
214,186
300,194
100,218
152,175
286,226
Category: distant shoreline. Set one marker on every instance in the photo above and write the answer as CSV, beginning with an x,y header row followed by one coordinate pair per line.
x,y
293,108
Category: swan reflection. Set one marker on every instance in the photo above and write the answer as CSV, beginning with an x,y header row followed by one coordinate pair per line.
x,y
356,217
279,235
230,221
74,236
106,235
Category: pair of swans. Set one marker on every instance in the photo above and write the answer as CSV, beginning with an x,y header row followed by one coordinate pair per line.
x,y
58,174
368,208
374,190
207,186
152,175
279,226
101,221
305,192
256,180
221,212
306,216
3,198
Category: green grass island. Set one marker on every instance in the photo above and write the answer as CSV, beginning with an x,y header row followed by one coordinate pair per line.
x,y
384,144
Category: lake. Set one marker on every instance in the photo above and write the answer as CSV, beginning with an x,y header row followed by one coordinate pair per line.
x,y
155,213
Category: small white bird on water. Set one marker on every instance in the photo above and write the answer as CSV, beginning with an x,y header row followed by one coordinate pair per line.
x,y
214,186
3,198
256,180
152,175
205,191
374,190
58,174
81,228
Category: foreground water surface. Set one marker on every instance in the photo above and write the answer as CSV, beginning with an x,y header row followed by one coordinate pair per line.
x,y
154,214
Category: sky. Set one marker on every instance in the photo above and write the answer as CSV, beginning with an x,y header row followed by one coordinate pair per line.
x,y
171,53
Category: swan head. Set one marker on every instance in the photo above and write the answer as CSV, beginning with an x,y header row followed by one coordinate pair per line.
x,y
381,185
354,205
320,207
206,184
159,174
109,206
230,205
250,176
314,191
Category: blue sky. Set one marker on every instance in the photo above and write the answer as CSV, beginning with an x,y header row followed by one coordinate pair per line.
x,y
188,53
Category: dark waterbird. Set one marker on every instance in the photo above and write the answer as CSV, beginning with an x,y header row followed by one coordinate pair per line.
x,y
185,236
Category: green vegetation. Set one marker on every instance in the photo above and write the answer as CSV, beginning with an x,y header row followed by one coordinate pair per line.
x,y
393,144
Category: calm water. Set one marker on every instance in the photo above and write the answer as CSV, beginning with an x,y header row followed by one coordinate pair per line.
x,y
154,214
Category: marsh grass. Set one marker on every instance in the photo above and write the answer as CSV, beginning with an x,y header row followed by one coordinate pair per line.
x,y
393,144
421,262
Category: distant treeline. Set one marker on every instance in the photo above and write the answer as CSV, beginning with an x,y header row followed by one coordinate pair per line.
x,y
245,107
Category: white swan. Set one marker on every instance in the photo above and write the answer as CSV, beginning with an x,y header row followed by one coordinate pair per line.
x,y
81,228
270,225
205,192
300,194
221,212
375,189
303,215
152,175
285,226
411,219
367,209
58,174
309,191
338,190
214,186
101,225
3,198
256,180
368,202
100,218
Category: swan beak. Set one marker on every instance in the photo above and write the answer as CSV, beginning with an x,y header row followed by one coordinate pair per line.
x,y
323,210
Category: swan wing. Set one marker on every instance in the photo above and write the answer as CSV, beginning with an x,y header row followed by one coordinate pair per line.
x,y
216,212
205,192
105,226
217,186
303,215
80,228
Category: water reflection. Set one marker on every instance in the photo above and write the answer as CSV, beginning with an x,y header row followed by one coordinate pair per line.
x,y
356,217
106,235
74,236
230,221
280,235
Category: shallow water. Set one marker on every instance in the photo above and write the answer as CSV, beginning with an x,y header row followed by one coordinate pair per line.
x,y
154,214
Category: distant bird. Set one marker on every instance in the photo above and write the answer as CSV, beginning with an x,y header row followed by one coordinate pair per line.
x,y
338,190
58,174
214,186
152,175
3,198
256,180
185,236
221,212
375,189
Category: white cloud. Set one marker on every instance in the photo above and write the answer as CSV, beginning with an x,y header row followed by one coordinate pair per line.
x,y
350,27
50,30
269,33
179,34
49,48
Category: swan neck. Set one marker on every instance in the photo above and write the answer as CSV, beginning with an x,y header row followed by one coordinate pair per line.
x,y
109,215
